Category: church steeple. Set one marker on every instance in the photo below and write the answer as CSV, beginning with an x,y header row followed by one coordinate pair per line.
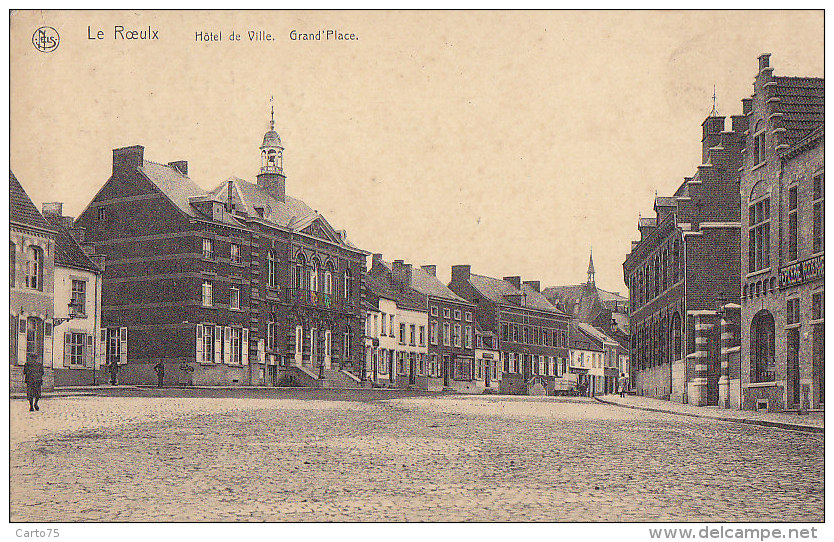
x,y
271,177
591,271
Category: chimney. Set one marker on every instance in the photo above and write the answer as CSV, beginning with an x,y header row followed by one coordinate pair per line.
x,y
430,269
128,157
713,126
739,123
53,212
402,274
78,233
461,273
53,209
515,281
534,284
764,61
376,259
180,165
230,189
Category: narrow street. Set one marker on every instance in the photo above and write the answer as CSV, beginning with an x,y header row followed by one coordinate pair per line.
x,y
450,458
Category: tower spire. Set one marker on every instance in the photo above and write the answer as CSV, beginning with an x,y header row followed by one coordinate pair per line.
x,y
591,271
271,114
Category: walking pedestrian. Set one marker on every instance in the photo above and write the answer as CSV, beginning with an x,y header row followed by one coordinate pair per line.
x,y
621,384
33,376
113,367
160,373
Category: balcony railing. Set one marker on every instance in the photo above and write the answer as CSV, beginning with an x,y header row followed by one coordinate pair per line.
x,y
800,272
314,299
764,376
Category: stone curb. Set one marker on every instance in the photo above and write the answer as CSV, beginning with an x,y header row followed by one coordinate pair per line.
x,y
748,421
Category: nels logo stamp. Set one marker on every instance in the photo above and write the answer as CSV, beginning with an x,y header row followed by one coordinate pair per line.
x,y
46,39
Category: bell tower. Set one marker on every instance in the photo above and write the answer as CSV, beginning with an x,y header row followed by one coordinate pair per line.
x,y
271,177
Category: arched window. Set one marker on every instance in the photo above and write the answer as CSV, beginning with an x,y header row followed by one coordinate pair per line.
x,y
12,262
348,285
314,276
34,339
34,268
271,269
300,273
328,280
762,347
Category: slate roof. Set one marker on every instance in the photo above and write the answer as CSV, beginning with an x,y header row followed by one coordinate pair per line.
x,y
22,210
291,213
802,104
590,330
68,253
498,290
178,188
383,287
428,284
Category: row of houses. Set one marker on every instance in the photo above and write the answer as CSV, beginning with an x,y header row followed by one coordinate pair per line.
x,y
727,280
243,284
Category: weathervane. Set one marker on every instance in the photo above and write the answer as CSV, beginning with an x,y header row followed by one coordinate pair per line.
x,y
271,114
714,112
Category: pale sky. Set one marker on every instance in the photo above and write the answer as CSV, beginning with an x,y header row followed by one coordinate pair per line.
x,y
511,141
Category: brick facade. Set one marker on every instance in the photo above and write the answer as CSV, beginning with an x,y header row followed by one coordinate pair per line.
x,y
782,190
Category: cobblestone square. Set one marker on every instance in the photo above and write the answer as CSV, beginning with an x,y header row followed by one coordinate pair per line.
x,y
445,458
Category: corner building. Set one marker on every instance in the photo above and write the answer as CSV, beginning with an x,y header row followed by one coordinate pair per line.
x,y
783,261
533,335
681,274
238,285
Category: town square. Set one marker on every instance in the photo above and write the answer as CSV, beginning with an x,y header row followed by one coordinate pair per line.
x,y
363,456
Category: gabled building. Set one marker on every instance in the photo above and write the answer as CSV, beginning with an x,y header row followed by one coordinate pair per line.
x,y
31,287
451,325
682,270
595,359
783,256
238,285
532,333
79,346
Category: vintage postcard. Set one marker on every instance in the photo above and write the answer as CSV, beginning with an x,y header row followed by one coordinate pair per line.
x,y
418,266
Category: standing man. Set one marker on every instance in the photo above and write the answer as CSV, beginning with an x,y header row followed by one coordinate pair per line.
x,y
623,384
160,373
114,371
33,376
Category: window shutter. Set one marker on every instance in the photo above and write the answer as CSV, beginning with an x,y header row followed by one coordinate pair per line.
x,y
227,343
67,348
102,348
244,347
218,337
123,345
88,351
199,350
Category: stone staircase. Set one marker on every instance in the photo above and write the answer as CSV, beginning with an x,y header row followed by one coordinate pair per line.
x,y
333,378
